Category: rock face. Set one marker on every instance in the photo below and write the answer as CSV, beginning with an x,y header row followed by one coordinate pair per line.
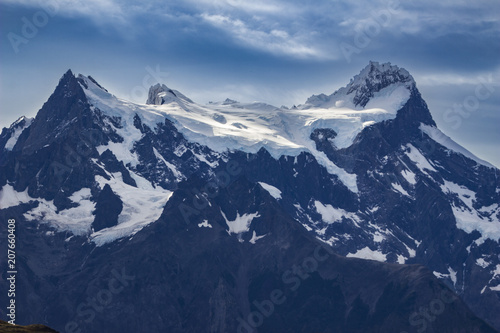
x,y
376,77
161,94
134,219
108,207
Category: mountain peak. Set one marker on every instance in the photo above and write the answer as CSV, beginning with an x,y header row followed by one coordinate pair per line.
x,y
67,103
375,80
161,94
375,77
376,71
68,73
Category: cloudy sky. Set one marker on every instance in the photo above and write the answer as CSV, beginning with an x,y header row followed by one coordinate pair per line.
x,y
274,51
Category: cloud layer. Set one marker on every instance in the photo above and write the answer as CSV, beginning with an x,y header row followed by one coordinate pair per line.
x,y
280,52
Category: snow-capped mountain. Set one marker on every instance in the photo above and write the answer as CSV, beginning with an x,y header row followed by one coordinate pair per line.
x,y
237,193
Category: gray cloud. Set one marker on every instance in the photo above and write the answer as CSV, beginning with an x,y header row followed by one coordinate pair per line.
x,y
275,51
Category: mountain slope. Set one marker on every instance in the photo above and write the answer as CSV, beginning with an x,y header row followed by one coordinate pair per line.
x,y
6,327
195,276
240,193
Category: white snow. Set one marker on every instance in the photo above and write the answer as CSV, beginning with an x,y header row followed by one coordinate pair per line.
x,y
378,237
435,134
255,238
142,205
417,243
410,177
77,219
485,219
329,214
441,275
400,189
495,273
330,241
177,174
491,209
482,263
420,161
453,275
204,224
10,197
283,132
411,251
367,253
241,224
401,259
469,220
464,194
273,191
9,145
121,151
391,98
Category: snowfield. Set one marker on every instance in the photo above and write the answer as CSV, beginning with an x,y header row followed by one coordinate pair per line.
x,y
248,127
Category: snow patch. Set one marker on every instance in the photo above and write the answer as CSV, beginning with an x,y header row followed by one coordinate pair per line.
x,y
485,219
255,238
367,253
142,205
378,237
464,194
177,174
10,197
411,251
329,214
441,275
241,224
273,191
77,219
204,224
435,134
420,161
453,275
400,189
401,259
482,263
409,176
469,220
9,145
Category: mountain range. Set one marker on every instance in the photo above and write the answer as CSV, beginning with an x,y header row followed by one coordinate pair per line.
x,y
352,212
